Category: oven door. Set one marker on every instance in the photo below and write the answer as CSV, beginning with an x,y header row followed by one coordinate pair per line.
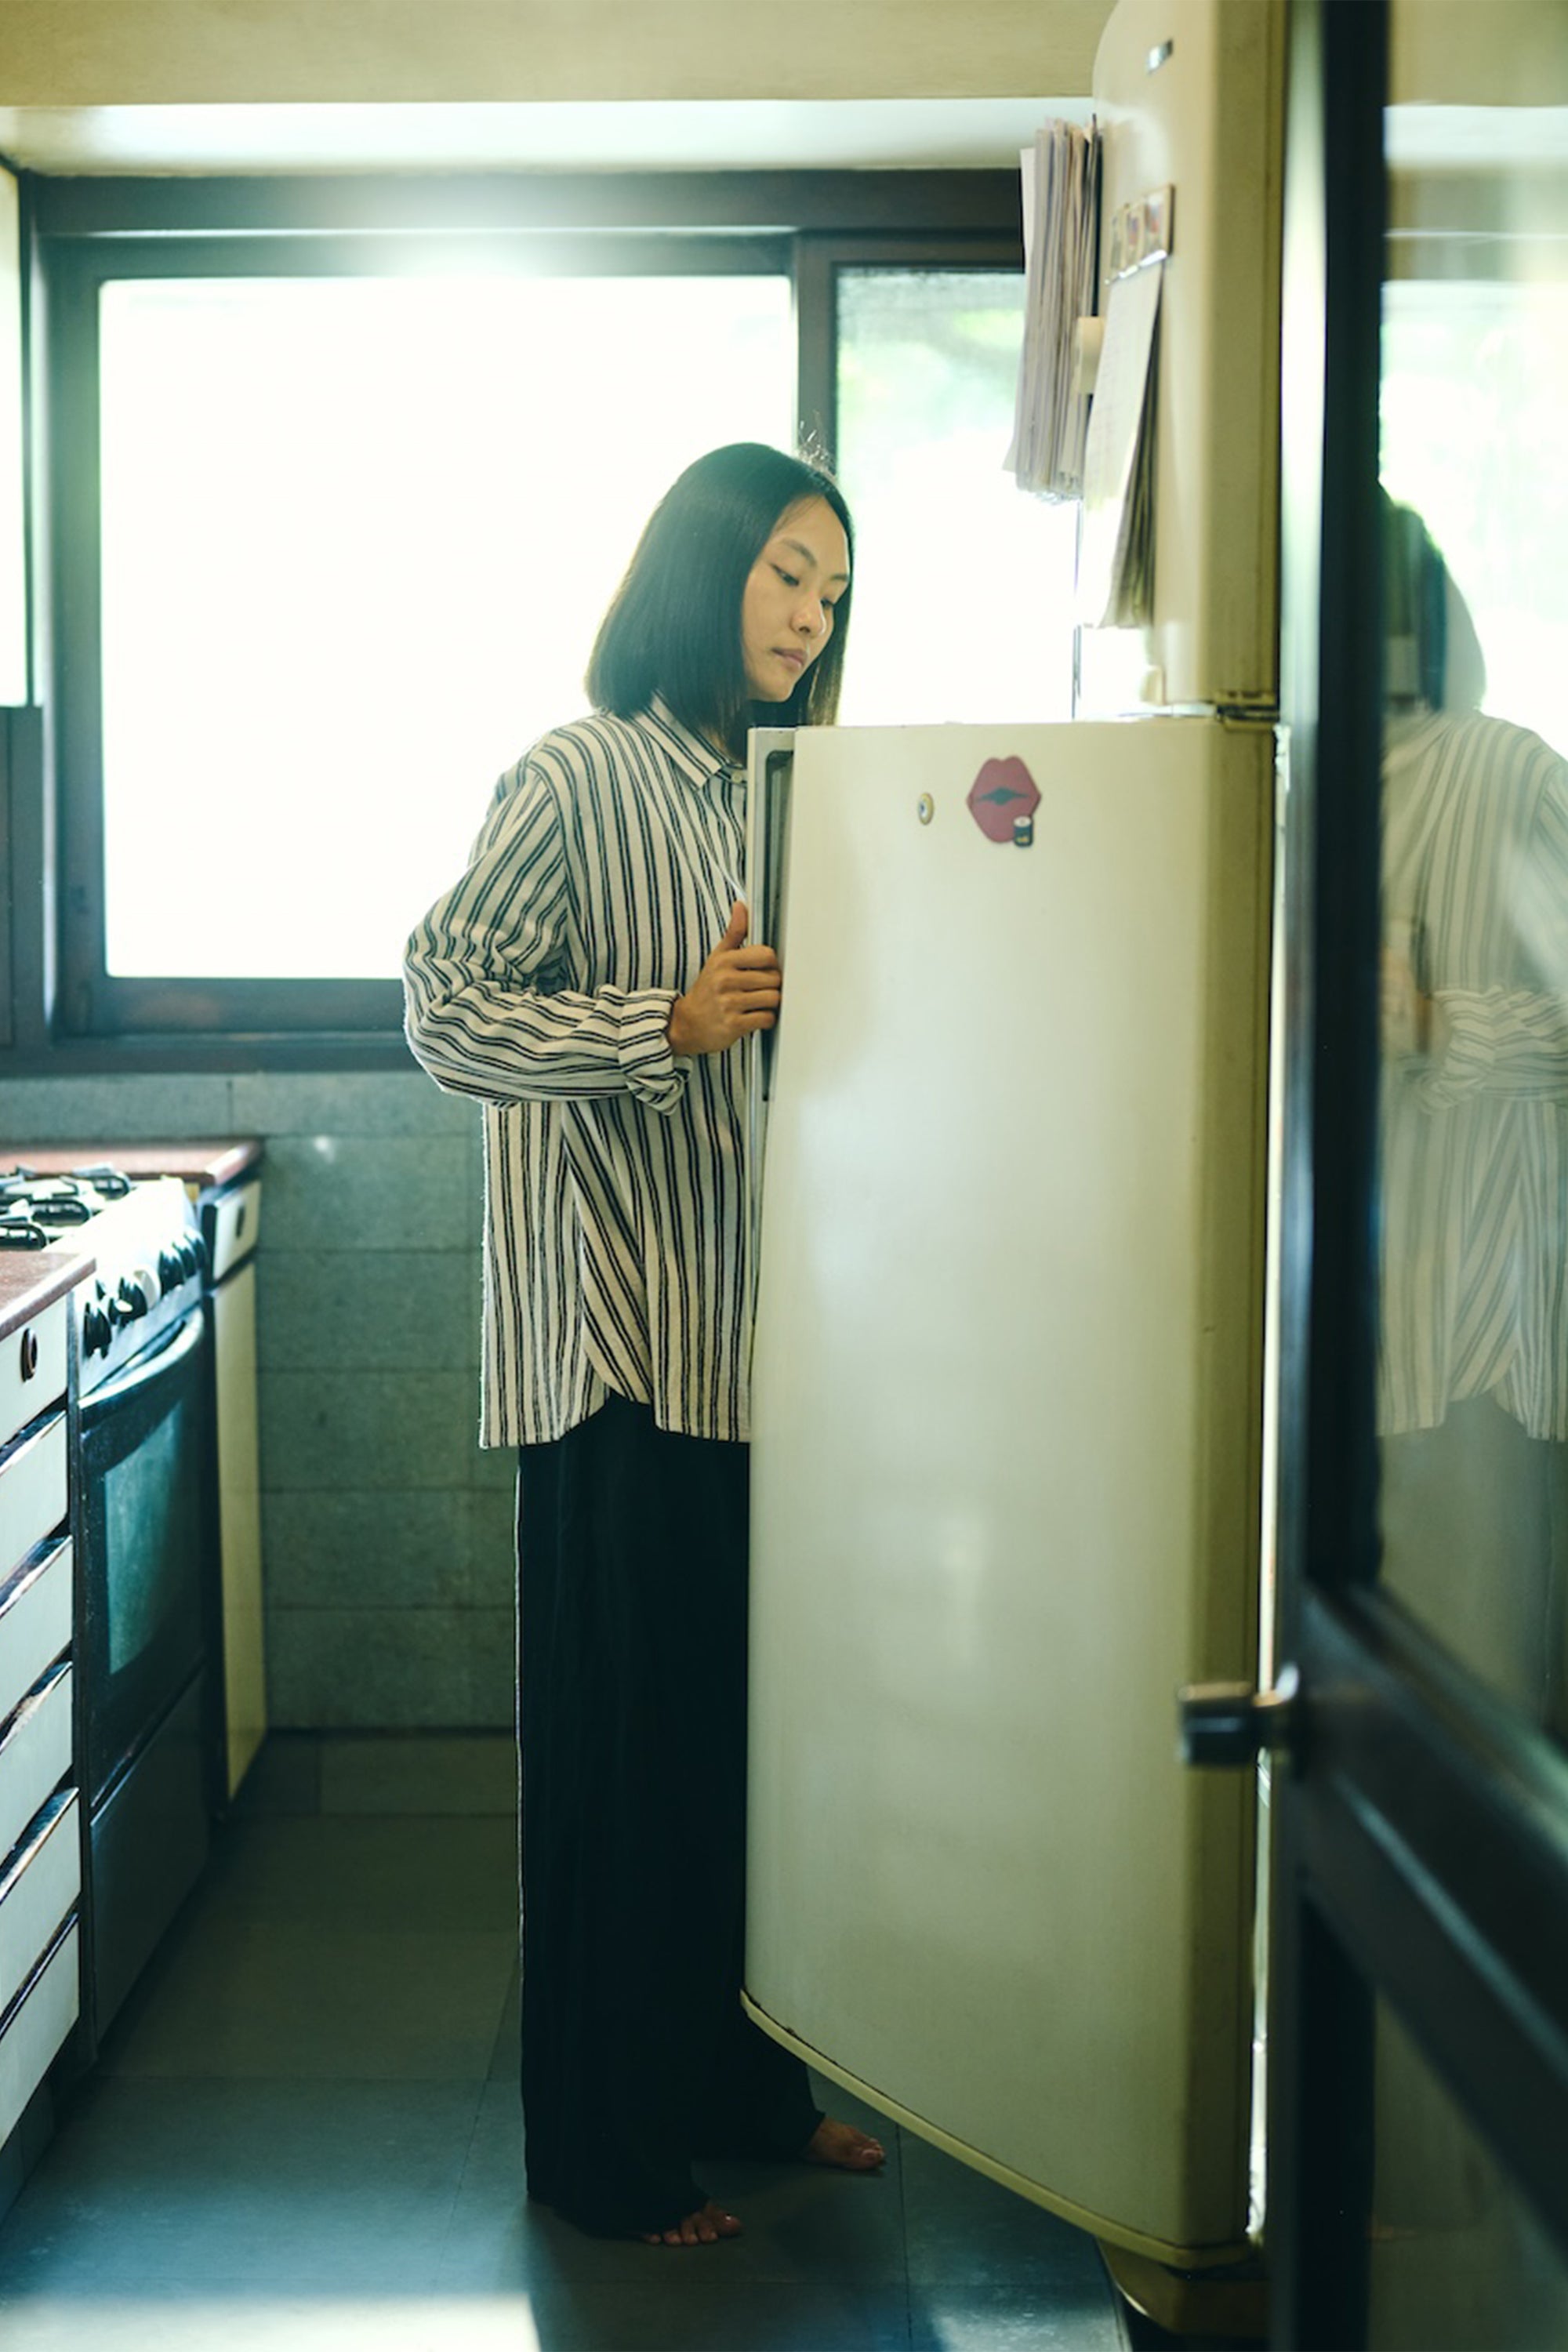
x,y
145,1504
147,1555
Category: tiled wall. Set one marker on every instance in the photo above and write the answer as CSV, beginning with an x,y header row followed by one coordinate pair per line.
x,y
386,1532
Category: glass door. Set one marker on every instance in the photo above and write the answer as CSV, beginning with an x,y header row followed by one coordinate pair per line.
x,y
1419,2131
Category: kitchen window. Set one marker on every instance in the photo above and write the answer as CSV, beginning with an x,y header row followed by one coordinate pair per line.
x,y
1473,367
964,589
332,518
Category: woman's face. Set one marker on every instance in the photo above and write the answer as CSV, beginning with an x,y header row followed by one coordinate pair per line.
x,y
786,610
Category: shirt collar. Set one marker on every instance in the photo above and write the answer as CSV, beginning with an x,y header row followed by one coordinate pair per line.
x,y
698,761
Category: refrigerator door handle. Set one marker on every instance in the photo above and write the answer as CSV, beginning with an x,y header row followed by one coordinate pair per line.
x,y
1225,1725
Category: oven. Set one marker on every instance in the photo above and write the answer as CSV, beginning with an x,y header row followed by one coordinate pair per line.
x,y
144,1562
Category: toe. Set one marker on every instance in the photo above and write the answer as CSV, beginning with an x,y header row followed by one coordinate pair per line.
x,y
703,2228
843,2146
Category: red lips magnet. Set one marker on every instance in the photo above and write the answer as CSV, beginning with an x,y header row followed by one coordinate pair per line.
x,y
1001,793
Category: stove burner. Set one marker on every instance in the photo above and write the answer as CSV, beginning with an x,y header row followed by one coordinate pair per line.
x,y
108,1182
69,1199
22,1233
48,1208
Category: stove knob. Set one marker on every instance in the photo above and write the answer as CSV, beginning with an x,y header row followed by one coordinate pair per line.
x,y
97,1331
137,1294
171,1271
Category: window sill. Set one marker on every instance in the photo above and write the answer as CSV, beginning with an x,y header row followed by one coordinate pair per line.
x,y
76,1058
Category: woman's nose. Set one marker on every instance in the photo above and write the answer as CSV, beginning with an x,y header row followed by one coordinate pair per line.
x,y
810,618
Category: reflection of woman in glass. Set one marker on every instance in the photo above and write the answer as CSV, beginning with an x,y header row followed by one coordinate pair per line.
x,y
588,979
1473,1402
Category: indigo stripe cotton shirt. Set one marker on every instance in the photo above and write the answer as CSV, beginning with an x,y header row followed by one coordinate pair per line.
x,y
615,1175
1475,1131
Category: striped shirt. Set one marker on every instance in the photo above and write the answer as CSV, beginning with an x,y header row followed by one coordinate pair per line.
x,y
1475,1133
615,1175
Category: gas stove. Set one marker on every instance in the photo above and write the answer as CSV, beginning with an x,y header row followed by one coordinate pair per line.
x,y
145,1237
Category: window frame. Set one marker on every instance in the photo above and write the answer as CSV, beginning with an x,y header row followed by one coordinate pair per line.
x,y
68,1011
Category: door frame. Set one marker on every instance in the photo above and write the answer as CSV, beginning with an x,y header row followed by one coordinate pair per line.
x,y
1422,1853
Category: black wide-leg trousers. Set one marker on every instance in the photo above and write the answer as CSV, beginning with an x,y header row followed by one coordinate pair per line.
x,y
637,2055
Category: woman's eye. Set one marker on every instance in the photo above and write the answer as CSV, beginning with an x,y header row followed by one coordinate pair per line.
x,y
789,578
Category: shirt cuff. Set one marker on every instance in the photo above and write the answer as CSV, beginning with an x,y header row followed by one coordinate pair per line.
x,y
651,1071
1463,1055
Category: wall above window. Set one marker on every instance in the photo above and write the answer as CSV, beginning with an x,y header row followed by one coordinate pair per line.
x,y
91,53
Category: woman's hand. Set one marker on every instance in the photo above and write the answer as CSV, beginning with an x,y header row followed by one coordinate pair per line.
x,y
1404,1015
736,991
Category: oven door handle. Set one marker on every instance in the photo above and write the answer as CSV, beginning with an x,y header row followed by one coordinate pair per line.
x,y
144,1371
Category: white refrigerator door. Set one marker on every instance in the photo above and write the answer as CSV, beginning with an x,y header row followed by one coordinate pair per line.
x,y
1005,1453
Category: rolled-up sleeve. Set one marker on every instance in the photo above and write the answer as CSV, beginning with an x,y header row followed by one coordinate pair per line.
x,y
490,1011
1500,1041
1509,1040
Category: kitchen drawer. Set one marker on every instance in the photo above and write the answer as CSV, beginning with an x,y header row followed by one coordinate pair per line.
x,y
35,1754
33,2031
32,1369
32,1491
34,1624
231,1224
38,1885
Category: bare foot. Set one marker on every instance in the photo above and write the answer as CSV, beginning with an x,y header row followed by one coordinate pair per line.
x,y
843,2147
703,2228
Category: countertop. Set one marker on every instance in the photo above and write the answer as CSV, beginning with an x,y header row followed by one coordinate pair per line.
x,y
201,1162
31,1280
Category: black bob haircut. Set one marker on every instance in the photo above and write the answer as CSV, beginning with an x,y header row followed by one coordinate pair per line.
x,y
674,623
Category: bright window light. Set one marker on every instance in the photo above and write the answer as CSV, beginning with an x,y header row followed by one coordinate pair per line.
x,y
357,535
1472,397
963,585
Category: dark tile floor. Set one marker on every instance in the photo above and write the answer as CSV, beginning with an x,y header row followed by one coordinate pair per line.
x,y
304,2131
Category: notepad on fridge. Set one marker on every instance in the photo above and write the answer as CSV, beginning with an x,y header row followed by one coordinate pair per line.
x,y
1116,542
1061,223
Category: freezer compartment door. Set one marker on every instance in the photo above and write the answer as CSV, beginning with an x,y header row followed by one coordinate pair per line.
x,y
1006,1454
1190,95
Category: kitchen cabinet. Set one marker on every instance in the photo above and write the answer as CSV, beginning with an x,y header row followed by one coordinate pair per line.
x,y
40,1830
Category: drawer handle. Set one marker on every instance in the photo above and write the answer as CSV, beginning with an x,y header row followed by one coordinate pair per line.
x,y
30,1354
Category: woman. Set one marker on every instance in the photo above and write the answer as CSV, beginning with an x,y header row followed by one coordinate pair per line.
x,y
1473,1356
589,978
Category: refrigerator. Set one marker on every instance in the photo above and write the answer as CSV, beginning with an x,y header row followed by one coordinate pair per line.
x,y
1010,1147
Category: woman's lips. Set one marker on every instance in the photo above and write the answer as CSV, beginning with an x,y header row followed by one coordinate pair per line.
x,y
787,653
